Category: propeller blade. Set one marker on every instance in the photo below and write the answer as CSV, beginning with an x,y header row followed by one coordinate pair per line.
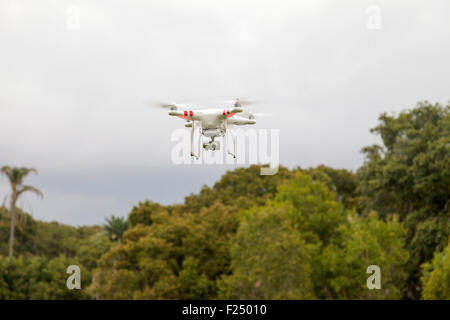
x,y
171,105
153,104
251,115
240,102
263,115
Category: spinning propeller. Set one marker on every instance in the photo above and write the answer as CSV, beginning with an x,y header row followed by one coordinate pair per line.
x,y
238,103
171,105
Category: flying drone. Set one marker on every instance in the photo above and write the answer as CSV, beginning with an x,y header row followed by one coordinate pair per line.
x,y
213,123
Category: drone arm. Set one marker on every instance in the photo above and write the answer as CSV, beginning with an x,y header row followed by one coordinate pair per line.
x,y
236,110
240,121
176,113
184,115
230,113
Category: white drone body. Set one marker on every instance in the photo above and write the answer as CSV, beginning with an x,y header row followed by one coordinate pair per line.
x,y
212,123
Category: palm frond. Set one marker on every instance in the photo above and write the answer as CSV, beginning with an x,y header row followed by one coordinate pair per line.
x,y
31,189
7,171
115,226
16,174
21,173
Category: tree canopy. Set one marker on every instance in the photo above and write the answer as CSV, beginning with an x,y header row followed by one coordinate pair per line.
x,y
410,175
304,233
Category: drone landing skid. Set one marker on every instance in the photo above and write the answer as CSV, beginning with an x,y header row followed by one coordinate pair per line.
x,y
233,137
212,145
192,141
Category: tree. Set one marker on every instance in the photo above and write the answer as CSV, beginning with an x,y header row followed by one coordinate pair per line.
x,y
359,243
178,256
341,181
37,277
436,276
411,171
410,175
16,176
241,188
341,244
317,212
145,212
115,226
91,247
270,259
25,234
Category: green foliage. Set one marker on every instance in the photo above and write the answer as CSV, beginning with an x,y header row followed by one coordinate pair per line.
x,y
39,278
115,226
45,250
361,242
24,235
316,212
304,231
54,239
161,261
436,276
239,189
412,170
342,182
427,234
16,176
34,237
145,212
91,247
270,260
410,176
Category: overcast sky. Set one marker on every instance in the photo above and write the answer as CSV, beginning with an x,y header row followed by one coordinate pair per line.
x,y
75,77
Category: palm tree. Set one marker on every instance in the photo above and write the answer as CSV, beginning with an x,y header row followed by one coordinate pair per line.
x,y
16,176
115,226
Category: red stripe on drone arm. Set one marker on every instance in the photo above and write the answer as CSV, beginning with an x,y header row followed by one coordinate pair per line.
x,y
183,117
231,114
